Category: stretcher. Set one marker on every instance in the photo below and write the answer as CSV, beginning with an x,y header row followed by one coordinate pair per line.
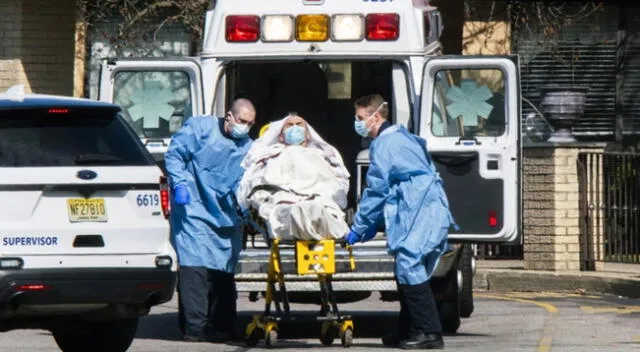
x,y
311,258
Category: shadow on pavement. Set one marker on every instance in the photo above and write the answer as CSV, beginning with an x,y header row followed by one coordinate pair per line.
x,y
164,326
159,327
300,345
367,325
461,334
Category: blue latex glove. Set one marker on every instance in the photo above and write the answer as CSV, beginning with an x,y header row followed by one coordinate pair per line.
x,y
181,194
370,233
352,238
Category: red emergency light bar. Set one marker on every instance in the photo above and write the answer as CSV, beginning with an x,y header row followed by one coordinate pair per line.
x,y
243,28
382,26
377,27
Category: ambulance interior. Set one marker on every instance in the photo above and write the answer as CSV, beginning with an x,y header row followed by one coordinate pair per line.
x,y
322,92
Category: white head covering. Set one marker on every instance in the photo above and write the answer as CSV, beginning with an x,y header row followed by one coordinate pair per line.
x,y
271,137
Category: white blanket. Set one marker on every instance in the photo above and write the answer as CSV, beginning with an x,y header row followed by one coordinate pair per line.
x,y
299,191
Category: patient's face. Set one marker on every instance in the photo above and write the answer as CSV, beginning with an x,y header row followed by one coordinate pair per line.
x,y
295,121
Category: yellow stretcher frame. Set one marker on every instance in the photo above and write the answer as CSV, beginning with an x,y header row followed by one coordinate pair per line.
x,y
312,258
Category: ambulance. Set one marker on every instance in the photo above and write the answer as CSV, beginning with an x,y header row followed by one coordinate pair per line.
x,y
316,57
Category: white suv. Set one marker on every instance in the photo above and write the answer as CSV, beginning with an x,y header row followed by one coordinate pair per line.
x,y
84,236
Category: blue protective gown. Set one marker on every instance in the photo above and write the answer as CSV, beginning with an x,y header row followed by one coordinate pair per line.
x,y
404,190
207,232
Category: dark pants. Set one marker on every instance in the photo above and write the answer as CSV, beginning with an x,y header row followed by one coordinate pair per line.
x,y
418,311
207,301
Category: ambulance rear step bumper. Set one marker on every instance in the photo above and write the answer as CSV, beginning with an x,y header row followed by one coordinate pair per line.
x,y
374,271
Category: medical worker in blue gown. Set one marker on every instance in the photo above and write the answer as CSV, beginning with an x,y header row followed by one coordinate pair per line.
x,y
203,163
405,191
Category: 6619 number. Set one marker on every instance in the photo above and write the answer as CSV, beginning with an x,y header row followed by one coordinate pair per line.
x,y
148,200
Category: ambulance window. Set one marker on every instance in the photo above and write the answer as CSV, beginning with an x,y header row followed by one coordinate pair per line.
x,y
469,103
155,103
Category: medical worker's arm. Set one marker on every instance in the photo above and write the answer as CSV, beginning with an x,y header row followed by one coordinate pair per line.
x,y
183,144
371,206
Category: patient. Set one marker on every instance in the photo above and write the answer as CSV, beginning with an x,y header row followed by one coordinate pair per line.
x,y
296,182
294,131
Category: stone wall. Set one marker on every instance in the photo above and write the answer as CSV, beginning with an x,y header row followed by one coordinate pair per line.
x,y
37,41
551,211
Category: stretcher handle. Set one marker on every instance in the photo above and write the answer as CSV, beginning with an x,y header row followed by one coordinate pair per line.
x,y
352,260
349,248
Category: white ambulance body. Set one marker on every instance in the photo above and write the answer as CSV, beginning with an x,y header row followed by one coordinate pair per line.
x,y
316,57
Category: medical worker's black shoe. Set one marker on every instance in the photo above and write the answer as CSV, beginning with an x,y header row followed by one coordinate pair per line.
x,y
423,342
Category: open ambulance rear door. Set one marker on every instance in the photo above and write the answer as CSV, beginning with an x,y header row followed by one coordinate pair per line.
x,y
156,96
470,117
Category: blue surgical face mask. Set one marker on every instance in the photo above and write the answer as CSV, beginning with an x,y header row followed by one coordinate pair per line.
x,y
294,135
361,125
238,130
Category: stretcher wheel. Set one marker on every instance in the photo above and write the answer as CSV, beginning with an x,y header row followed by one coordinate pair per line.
x,y
347,338
327,333
271,338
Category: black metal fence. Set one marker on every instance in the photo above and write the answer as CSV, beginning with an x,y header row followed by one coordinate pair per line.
x,y
609,208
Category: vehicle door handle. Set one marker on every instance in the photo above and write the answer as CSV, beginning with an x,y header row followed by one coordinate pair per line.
x,y
155,141
457,159
468,141
493,165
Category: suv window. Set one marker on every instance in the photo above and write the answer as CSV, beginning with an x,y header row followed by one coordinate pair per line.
x,y
84,137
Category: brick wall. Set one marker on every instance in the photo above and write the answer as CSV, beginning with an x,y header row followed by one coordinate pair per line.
x,y
37,45
551,207
538,212
11,71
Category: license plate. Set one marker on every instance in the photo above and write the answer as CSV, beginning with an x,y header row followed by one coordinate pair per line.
x,y
87,210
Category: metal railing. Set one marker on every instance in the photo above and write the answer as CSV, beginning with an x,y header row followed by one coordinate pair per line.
x,y
609,208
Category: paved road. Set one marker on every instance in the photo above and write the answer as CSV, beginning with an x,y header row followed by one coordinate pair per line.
x,y
502,322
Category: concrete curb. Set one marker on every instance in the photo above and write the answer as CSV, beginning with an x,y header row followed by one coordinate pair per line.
x,y
500,280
